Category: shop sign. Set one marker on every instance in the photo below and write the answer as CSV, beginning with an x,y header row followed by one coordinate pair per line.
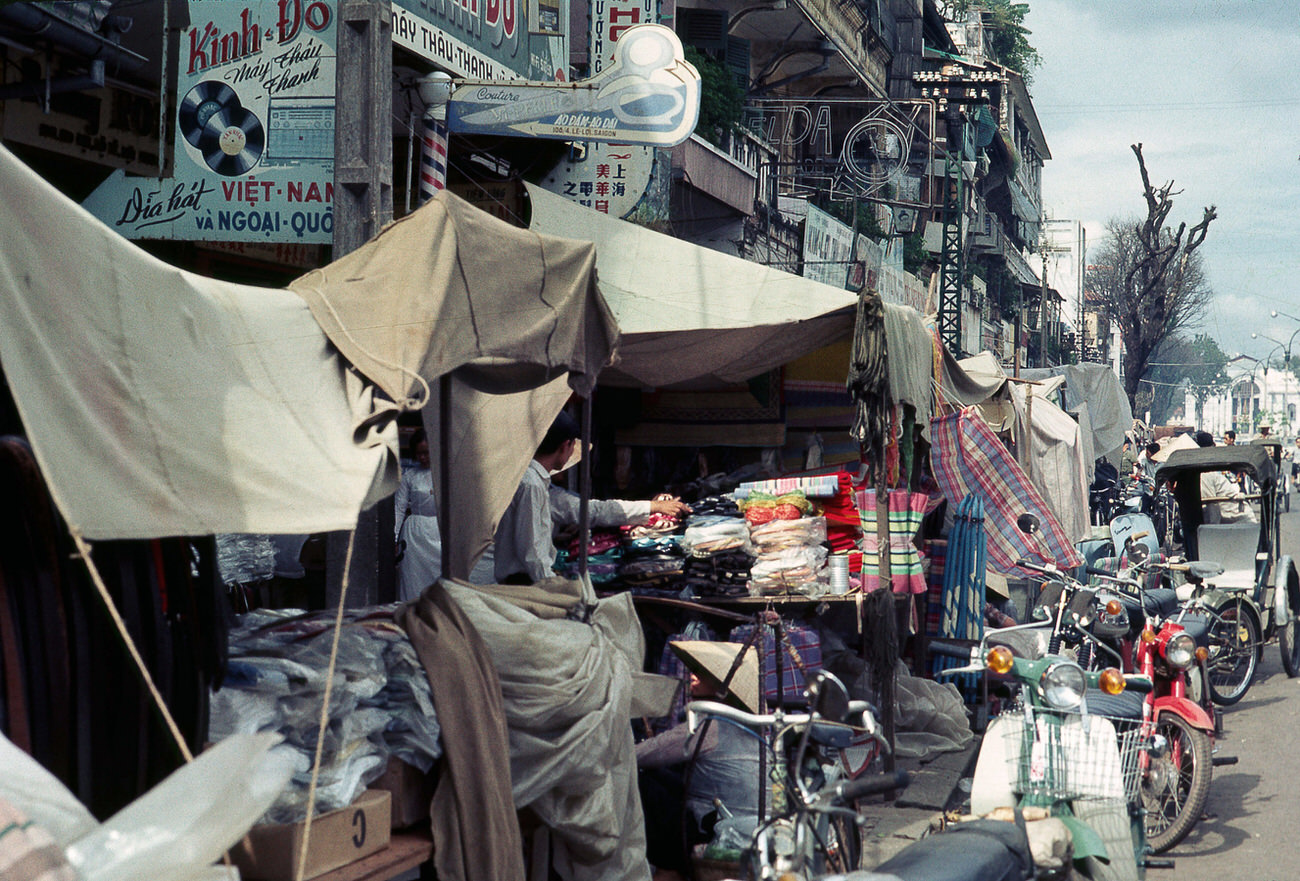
x,y
608,177
487,39
850,148
827,249
254,158
649,95
113,127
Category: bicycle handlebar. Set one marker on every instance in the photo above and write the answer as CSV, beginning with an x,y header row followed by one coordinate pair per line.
x,y
876,783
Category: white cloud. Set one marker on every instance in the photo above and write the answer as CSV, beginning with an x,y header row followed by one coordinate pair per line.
x,y
1208,87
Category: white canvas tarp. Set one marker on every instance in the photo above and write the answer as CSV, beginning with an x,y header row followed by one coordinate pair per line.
x,y
687,314
159,402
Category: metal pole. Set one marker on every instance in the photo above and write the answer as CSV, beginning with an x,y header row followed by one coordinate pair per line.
x,y
363,203
584,488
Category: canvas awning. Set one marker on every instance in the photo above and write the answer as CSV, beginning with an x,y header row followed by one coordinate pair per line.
x,y
159,402
687,314
162,403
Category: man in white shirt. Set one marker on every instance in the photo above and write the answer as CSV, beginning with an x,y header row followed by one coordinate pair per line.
x,y
523,548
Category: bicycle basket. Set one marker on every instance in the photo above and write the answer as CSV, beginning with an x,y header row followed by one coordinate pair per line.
x,y
1059,756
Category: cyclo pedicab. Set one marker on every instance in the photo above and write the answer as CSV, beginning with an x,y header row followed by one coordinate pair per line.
x,y
1257,595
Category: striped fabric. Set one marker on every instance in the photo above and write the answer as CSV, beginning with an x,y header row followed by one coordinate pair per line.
x,y
936,555
906,510
433,157
27,852
817,485
968,458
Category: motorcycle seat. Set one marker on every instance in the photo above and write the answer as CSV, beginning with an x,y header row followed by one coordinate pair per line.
x,y
1125,705
1159,601
979,850
1197,626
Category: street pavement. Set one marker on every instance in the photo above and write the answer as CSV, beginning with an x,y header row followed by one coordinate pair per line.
x,y
1249,830
1252,818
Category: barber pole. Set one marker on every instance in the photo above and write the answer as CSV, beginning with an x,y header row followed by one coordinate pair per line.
x,y
433,155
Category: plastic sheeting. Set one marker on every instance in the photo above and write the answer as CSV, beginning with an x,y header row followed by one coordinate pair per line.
x,y
567,687
174,832
380,704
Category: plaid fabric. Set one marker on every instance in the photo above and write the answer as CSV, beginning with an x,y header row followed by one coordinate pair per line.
x,y
968,458
936,552
906,510
671,665
802,655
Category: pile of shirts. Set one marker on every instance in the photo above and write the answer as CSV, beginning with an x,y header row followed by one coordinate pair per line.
x,y
652,565
380,703
719,549
789,545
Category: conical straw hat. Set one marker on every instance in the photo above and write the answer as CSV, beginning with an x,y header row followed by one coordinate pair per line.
x,y
711,661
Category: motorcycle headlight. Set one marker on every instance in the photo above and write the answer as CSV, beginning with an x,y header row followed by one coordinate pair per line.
x,y
1180,651
1063,685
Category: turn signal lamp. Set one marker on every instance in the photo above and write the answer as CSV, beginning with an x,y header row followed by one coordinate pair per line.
x,y
1148,635
1114,607
1202,654
1111,681
999,659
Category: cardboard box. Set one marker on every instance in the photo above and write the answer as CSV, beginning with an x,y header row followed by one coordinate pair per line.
x,y
270,852
412,791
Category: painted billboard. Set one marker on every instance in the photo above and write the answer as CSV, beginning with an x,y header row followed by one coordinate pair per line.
x,y
487,39
254,157
649,95
608,177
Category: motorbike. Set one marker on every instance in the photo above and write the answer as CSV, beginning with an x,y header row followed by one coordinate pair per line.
x,y
805,839
1052,748
1168,645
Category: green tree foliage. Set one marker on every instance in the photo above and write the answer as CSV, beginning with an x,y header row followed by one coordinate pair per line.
x,y
1199,361
722,100
1008,37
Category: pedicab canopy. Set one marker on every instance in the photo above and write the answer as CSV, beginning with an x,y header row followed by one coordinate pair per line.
x,y
159,402
1184,468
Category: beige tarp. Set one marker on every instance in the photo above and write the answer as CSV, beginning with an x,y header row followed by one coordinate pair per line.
x,y
501,311
159,402
687,314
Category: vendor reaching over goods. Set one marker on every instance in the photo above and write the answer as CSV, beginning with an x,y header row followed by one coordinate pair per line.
x,y
523,548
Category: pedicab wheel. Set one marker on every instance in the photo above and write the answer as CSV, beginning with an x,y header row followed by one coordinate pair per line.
x,y
1234,651
1175,786
1288,640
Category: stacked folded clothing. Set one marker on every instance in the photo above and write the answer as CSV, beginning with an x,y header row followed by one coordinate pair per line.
x,y
721,574
604,554
652,565
791,557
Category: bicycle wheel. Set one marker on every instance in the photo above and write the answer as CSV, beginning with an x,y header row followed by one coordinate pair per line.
x,y
1174,786
839,846
1234,651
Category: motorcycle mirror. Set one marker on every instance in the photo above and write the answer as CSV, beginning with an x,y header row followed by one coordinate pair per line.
x,y
1050,595
828,697
1137,551
1027,523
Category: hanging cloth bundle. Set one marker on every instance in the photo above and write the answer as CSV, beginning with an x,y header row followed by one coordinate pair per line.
x,y
868,380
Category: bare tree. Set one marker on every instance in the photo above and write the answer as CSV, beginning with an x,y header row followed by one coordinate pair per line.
x,y
1150,279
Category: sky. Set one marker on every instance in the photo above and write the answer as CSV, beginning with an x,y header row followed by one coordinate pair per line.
x,y
1211,89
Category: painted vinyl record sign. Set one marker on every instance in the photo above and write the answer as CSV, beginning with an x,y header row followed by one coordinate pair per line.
x,y
254,157
232,141
230,137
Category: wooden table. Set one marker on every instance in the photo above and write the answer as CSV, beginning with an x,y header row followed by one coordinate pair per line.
x,y
406,851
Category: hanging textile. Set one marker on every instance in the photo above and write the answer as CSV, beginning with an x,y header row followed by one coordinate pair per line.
x,y
868,380
962,605
967,458
906,510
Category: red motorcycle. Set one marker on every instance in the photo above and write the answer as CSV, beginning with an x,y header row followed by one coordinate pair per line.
x,y
1165,643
